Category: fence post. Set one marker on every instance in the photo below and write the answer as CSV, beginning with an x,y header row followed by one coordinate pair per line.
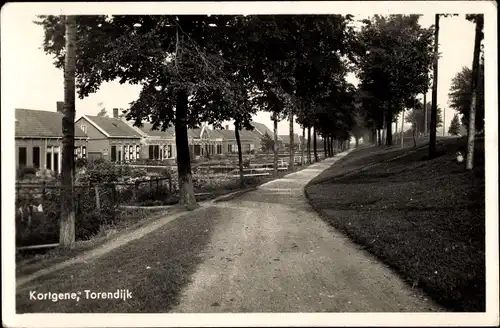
x,y
97,199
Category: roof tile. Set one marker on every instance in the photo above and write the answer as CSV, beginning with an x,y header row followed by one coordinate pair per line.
x,y
38,123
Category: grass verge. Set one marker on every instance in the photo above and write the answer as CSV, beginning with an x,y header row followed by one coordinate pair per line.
x,y
153,268
423,218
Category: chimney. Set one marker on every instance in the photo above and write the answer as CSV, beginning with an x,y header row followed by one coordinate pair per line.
x,y
60,106
115,112
227,127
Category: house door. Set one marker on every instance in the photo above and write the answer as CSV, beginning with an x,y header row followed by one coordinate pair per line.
x,y
119,155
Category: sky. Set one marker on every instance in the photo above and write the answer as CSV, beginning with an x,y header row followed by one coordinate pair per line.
x,y
40,84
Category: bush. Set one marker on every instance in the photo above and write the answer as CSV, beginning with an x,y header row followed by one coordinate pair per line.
x,y
25,171
45,225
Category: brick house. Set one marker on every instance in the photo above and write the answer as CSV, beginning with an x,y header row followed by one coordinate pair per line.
x,y
260,131
38,139
111,138
286,141
250,140
157,144
203,141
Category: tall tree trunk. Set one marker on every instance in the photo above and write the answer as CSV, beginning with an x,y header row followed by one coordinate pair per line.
x,y
402,128
240,155
379,139
396,132
315,144
67,220
425,113
275,120
302,146
432,139
476,75
414,140
309,145
186,189
292,145
325,150
388,124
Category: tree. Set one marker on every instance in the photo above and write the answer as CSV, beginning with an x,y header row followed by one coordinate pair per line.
x,y
171,57
67,221
417,116
454,126
393,65
433,125
103,113
479,21
266,143
461,96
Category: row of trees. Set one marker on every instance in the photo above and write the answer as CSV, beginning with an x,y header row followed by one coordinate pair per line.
x,y
199,68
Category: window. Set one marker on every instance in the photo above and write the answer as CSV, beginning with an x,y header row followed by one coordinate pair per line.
x,y
125,152
137,151
48,163
169,151
113,153
22,156
151,152
252,146
131,152
56,162
229,148
84,128
157,152
36,157
219,149
84,151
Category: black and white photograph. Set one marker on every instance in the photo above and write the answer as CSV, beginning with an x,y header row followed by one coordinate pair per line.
x,y
310,163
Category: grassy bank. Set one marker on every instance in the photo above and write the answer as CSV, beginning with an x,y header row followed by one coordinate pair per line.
x,y
424,218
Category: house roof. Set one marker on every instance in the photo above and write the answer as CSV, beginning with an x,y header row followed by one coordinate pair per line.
x,y
113,127
194,133
262,128
147,129
39,124
230,134
286,138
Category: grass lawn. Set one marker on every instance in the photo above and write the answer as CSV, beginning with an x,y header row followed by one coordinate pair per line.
x,y
153,271
28,262
424,218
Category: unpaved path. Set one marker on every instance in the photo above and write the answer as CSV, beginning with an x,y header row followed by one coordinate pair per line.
x,y
276,255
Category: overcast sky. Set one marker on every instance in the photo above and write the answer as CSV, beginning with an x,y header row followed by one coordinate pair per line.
x,y
39,85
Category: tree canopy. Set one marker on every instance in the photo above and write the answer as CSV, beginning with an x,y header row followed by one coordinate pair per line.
x,y
460,96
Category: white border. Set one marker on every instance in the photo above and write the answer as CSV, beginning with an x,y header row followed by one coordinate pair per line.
x,y
10,319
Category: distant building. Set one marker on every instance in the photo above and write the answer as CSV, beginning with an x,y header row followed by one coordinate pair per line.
x,y
38,139
250,140
286,141
111,138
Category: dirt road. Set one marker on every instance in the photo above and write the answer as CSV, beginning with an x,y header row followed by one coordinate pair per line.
x,y
275,254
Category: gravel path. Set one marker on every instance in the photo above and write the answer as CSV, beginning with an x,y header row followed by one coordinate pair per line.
x,y
274,254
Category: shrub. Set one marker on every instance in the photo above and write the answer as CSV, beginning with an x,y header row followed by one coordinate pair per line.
x,y
45,225
98,171
23,171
